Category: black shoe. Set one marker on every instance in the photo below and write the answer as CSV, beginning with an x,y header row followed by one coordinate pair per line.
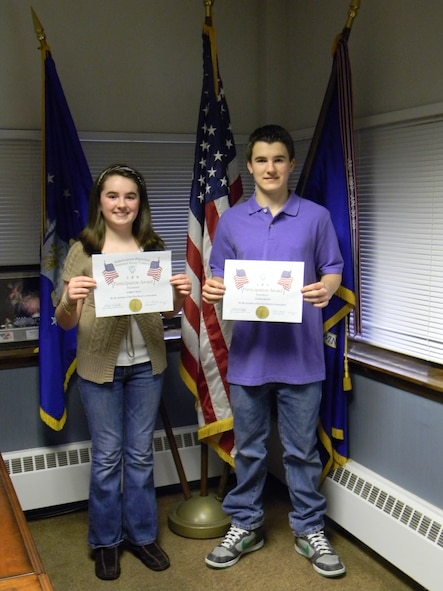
x,y
152,556
107,563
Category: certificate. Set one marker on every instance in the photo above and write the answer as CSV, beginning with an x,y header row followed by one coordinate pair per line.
x,y
264,291
132,283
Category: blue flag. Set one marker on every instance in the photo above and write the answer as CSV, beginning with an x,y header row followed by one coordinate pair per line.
x,y
66,189
328,178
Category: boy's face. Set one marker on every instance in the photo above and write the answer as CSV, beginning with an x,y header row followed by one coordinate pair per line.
x,y
271,167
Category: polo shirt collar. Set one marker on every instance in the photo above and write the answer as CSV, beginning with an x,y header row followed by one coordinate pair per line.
x,y
292,205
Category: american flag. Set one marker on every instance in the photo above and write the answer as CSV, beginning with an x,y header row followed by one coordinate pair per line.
x,y
286,280
216,186
110,273
240,278
155,271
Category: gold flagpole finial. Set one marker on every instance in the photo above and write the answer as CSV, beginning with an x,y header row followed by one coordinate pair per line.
x,y
352,13
39,31
208,4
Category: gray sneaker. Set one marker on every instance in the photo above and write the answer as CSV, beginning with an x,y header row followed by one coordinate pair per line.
x,y
317,548
235,543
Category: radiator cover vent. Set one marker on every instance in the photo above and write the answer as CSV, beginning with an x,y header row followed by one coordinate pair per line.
x,y
417,521
406,530
46,477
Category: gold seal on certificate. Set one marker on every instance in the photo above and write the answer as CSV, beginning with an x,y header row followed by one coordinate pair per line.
x,y
135,305
262,312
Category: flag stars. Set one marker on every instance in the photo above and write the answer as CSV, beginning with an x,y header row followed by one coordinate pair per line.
x,y
50,178
212,130
66,193
212,172
205,146
203,163
218,155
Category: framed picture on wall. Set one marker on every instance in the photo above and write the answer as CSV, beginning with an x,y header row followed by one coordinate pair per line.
x,y
19,305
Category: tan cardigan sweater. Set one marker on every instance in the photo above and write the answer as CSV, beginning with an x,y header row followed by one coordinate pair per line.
x,y
98,341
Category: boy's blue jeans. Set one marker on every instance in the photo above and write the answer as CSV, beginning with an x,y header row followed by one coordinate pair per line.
x,y
121,417
298,412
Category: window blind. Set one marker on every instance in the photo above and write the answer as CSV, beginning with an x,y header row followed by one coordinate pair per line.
x,y
400,192
20,202
167,168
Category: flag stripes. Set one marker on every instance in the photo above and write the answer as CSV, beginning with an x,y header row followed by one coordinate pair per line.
x,y
216,186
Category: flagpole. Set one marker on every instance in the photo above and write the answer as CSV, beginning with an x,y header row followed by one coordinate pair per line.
x,y
352,13
354,7
202,516
208,4
41,36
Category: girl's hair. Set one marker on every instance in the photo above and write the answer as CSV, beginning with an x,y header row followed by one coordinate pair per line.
x,y
93,235
270,134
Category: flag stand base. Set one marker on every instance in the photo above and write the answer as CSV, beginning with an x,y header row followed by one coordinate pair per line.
x,y
199,517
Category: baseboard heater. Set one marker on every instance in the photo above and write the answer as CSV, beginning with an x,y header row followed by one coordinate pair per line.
x,y
399,526
52,476
404,529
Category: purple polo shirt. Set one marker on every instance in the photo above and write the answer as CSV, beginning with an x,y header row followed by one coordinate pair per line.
x,y
265,352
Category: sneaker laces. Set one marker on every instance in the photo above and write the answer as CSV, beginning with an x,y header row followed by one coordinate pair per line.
x,y
233,535
320,543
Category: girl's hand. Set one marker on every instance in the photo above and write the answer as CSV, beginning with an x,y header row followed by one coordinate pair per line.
x,y
182,285
79,288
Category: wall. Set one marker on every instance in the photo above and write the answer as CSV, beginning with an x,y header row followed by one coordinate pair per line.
x,y
398,435
21,427
135,66
128,66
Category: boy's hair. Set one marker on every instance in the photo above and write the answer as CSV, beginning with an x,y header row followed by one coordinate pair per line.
x,y
270,134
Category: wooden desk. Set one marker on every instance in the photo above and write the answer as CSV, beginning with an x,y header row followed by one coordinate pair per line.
x,y
21,568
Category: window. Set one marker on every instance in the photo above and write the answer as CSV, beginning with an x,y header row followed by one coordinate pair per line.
x,y
20,201
400,192
165,162
400,188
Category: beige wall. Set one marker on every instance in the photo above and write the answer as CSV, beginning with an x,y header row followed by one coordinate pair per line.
x,y
135,65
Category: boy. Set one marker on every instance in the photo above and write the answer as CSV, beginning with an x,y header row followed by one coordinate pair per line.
x,y
277,360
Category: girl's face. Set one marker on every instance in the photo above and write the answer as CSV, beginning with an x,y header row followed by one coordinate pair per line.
x,y
119,202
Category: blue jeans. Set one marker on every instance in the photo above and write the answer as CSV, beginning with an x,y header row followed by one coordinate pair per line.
x,y
121,417
298,410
